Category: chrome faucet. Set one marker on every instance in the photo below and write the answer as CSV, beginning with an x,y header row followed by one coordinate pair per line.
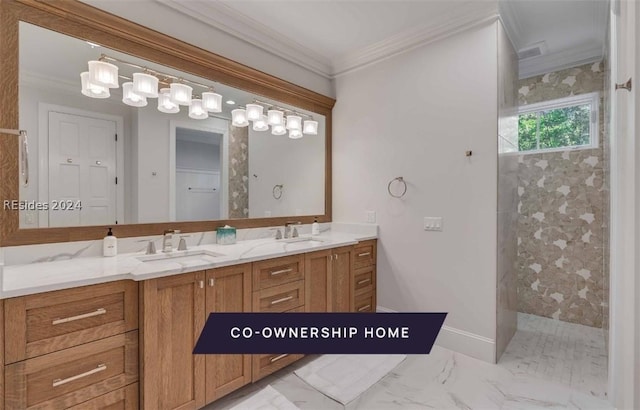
x,y
167,240
289,230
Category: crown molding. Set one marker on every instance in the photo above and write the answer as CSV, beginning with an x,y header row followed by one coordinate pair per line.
x,y
222,17
454,23
512,24
546,63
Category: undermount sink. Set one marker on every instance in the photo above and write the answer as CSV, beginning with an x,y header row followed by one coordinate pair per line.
x,y
305,239
179,256
299,243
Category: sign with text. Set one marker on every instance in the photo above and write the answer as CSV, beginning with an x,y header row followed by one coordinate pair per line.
x,y
319,333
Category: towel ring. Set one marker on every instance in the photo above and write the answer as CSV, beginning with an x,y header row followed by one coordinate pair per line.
x,y
277,191
403,182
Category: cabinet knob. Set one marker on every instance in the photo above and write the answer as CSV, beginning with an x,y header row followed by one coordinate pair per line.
x,y
201,284
212,282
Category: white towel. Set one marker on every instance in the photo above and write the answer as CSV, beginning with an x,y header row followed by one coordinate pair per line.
x,y
266,399
345,377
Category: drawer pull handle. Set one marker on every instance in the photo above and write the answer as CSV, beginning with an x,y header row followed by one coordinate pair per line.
x,y
365,307
98,312
275,302
278,272
364,254
60,382
275,359
364,281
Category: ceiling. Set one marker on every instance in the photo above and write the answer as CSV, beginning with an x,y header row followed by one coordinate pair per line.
x,y
336,37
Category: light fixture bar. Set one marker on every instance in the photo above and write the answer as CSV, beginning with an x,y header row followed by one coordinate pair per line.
x,y
286,110
104,57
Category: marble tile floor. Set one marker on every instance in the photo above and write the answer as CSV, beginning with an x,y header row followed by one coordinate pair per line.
x,y
441,380
570,354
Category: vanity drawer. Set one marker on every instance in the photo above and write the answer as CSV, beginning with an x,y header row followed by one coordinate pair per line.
x,y
365,254
265,364
277,271
73,376
52,321
364,280
280,298
365,302
121,399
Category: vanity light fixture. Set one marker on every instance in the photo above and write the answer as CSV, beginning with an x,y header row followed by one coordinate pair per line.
x,y
92,90
275,117
165,104
294,122
197,111
211,101
279,129
310,127
103,74
180,93
261,124
239,117
295,134
145,85
254,112
131,98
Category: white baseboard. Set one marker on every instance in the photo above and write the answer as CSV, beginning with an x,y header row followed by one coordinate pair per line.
x,y
461,341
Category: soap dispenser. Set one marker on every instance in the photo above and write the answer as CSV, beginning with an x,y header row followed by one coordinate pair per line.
x,y
315,227
110,244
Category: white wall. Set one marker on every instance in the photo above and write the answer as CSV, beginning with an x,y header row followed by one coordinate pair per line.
x,y
414,116
197,155
159,17
296,164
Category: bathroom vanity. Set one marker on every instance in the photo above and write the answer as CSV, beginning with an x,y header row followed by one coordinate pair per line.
x,y
128,343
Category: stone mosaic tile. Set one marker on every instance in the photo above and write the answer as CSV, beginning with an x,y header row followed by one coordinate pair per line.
x,y
563,214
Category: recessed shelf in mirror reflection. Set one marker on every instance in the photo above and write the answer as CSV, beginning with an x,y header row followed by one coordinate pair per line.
x,y
142,175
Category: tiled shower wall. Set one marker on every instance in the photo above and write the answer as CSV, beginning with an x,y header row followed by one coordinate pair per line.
x,y
238,172
563,213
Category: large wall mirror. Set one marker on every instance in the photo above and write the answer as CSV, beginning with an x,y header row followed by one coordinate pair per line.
x,y
140,155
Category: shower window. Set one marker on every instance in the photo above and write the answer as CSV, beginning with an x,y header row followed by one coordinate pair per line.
x,y
558,125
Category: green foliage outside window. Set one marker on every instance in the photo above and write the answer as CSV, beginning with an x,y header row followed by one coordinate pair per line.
x,y
554,128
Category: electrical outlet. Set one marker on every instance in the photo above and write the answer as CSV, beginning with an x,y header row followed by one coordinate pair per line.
x,y
433,223
371,217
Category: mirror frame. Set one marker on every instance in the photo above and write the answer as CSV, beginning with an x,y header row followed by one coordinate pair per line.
x,y
76,19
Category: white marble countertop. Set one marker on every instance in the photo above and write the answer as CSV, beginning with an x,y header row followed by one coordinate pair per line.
x,y
20,280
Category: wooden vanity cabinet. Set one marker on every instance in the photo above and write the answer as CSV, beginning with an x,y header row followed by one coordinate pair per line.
x,y
328,280
73,348
364,278
174,311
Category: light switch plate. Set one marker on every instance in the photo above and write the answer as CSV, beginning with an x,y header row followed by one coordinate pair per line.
x,y
433,223
371,217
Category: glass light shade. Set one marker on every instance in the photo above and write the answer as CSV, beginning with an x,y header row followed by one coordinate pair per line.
x,y
295,134
131,98
310,127
261,124
165,104
180,93
254,112
197,111
275,117
294,122
92,90
212,102
145,85
278,129
103,73
239,117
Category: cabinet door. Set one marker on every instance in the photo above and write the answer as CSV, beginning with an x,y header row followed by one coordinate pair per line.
x,y
341,289
318,281
172,319
228,290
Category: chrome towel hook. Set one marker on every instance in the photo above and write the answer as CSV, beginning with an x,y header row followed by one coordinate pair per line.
x,y
277,191
401,181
